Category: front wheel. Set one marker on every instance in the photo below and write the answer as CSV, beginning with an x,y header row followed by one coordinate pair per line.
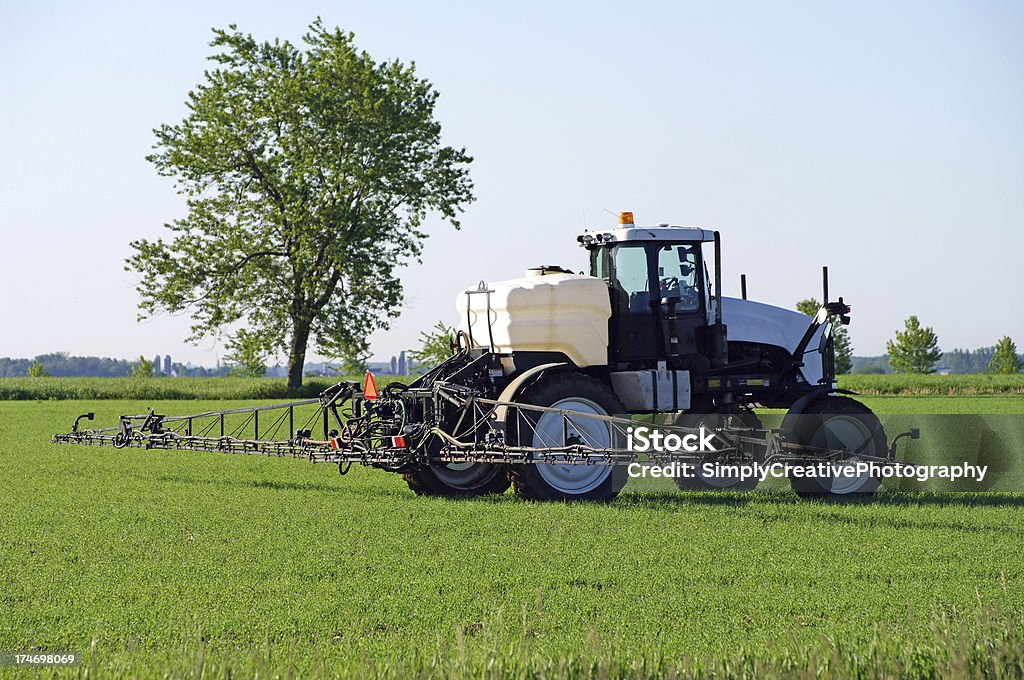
x,y
575,392
838,423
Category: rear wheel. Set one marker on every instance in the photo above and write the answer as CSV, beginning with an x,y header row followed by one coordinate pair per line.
x,y
553,481
839,423
716,421
458,479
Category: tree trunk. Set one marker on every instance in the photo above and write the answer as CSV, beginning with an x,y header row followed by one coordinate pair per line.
x,y
297,354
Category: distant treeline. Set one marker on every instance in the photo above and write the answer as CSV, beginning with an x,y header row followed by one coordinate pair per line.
x,y
63,365
158,390
276,388
955,362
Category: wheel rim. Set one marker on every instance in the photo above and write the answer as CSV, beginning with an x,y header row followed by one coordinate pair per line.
x,y
573,479
465,475
839,432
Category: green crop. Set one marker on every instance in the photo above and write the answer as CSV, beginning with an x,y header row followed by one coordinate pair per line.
x,y
200,564
274,388
913,384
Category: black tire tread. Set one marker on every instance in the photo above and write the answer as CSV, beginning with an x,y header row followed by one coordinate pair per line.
x,y
424,482
525,477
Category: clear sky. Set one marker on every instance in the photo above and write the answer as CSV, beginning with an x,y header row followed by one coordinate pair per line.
x,y
885,139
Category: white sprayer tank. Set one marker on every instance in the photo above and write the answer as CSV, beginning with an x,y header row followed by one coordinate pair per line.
x,y
543,312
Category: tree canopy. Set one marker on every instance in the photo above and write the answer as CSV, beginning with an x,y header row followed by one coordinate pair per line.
x,y
435,346
245,355
1005,358
37,370
915,349
308,174
143,369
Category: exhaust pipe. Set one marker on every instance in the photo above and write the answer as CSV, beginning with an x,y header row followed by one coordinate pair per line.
x,y
717,341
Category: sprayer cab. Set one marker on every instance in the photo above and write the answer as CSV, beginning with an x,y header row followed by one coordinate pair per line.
x,y
664,305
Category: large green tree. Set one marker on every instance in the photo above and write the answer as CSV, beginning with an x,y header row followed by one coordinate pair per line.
x,y
840,337
1005,358
915,349
308,174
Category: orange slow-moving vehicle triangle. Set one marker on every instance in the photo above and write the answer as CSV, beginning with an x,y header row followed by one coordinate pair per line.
x,y
370,390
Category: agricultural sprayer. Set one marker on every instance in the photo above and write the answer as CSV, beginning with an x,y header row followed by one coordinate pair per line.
x,y
552,375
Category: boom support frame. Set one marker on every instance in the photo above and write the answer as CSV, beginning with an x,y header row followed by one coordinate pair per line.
x,y
435,424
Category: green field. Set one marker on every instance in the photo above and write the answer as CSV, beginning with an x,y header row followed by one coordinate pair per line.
x,y
916,384
158,388
193,564
275,388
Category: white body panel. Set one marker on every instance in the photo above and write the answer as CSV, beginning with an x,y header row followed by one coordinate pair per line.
x,y
659,233
750,321
565,313
569,313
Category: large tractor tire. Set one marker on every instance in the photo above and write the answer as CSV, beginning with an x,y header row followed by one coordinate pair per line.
x,y
459,479
554,482
702,482
838,423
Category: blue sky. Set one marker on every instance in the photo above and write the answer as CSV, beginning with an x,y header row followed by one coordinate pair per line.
x,y
883,139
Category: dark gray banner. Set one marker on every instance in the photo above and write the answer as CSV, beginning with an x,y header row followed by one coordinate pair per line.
x,y
835,455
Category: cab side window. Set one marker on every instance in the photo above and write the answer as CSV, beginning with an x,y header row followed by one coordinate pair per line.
x,y
677,277
630,280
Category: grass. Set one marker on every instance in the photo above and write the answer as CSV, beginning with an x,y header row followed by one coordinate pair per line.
x,y
274,388
193,564
929,404
13,389
912,384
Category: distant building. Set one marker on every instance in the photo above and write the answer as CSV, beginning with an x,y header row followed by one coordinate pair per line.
x,y
401,364
156,364
394,365
167,364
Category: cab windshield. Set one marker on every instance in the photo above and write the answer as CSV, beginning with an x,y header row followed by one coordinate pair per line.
x,y
627,269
